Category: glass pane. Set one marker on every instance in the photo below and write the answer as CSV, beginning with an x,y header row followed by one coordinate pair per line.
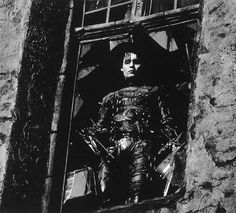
x,y
155,6
95,4
95,18
162,5
120,13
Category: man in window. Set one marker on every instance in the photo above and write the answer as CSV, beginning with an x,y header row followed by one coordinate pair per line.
x,y
136,129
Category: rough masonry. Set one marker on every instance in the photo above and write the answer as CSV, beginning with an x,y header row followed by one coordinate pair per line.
x,y
32,44
211,155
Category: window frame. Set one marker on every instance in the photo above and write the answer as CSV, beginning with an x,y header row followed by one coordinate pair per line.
x,y
150,23
108,9
121,29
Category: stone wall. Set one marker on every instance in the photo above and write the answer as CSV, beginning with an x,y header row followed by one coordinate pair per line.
x,y
211,160
32,47
14,17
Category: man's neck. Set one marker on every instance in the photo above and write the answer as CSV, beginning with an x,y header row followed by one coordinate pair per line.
x,y
132,81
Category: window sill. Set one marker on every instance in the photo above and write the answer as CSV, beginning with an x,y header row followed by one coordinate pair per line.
x,y
153,205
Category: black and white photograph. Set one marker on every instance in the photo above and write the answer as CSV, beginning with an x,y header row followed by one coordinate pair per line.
x,y
117,106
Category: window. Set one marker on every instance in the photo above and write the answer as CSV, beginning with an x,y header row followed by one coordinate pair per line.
x,y
102,26
105,11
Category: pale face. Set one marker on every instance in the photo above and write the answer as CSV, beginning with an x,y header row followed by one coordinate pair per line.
x,y
130,65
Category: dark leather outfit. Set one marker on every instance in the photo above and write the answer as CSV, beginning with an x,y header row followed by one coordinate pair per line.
x,y
137,124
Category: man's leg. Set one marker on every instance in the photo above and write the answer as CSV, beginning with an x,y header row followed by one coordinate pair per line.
x,y
139,170
105,182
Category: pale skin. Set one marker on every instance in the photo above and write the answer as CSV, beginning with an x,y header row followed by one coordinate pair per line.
x,y
130,65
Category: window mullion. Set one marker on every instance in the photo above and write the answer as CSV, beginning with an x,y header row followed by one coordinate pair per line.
x,y
175,4
150,8
134,5
108,11
83,16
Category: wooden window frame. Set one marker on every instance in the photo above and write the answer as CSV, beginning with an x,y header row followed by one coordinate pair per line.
x,y
155,22
133,16
108,8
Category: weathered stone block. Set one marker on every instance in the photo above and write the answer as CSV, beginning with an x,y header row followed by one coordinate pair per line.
x,y
8,88
5,131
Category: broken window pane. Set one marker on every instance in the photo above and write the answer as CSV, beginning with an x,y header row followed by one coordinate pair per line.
x,y
95,18
95,4
120,13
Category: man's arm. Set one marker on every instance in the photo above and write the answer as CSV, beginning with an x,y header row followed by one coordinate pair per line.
x,y
105,114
